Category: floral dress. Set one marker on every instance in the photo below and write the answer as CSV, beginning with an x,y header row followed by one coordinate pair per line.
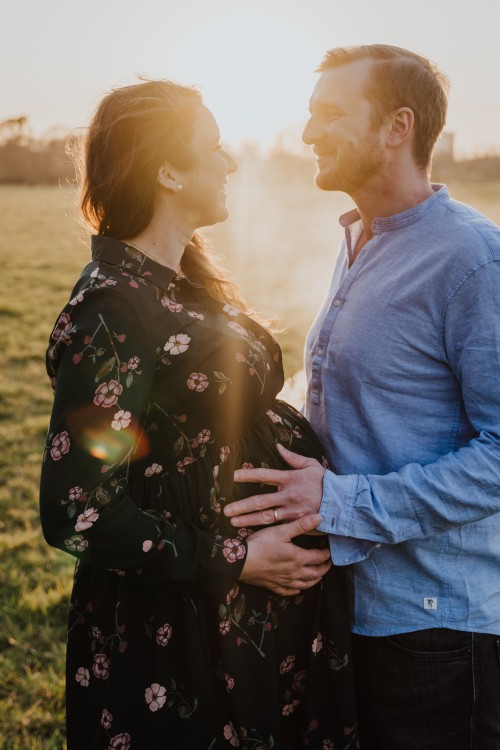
x,y
160,393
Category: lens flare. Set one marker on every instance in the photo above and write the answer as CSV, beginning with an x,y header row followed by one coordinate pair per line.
x,y
92,432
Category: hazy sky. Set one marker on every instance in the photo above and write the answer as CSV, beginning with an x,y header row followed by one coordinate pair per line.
x,y
254,60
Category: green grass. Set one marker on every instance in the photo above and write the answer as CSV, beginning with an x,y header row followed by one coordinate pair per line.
x,y
280,240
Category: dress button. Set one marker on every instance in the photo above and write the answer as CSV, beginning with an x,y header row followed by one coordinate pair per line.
x,y
336,303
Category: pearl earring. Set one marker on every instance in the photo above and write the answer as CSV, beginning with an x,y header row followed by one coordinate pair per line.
x,y
178,187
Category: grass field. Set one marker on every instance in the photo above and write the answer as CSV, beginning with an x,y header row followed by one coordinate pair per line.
x,y
280,241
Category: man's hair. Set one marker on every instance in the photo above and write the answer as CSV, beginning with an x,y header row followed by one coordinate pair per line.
x,y
400,78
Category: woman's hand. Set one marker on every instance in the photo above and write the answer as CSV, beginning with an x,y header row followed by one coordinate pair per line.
x,y
299,492
274,562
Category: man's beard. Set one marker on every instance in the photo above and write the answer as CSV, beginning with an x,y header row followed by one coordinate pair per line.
x,y
352,169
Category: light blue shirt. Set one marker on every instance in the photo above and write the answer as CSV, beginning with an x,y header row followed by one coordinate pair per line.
x,y
403,366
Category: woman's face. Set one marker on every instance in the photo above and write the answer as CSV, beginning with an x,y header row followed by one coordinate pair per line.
x,y
203,193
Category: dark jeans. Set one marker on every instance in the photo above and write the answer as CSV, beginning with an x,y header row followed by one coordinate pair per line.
x,y
433,689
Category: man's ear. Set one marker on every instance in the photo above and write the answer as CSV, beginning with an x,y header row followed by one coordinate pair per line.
x,y
167,179
400,126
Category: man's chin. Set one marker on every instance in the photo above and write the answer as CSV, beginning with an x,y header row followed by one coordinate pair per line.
x,y
325,181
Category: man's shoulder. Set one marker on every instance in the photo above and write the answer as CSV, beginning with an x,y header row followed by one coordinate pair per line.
x,y
469,229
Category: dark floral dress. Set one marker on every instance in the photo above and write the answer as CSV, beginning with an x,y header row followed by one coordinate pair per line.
x,y
160,393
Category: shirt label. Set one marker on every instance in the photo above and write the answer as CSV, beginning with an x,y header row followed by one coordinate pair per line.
x,y
430,602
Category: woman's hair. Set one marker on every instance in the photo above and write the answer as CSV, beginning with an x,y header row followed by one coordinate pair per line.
x,y
400,78
134,130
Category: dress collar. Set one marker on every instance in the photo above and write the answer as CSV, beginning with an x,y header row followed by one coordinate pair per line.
x,y
132,261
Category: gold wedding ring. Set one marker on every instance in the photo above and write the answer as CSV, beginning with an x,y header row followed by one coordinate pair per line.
x,y
275,515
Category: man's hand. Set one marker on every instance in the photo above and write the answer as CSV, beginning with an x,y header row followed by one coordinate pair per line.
x,y
299,492
274,562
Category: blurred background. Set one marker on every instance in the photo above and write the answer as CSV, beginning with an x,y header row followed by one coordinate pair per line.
x,y
254,62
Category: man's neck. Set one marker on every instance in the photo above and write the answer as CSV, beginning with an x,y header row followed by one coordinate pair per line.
x,y
387,197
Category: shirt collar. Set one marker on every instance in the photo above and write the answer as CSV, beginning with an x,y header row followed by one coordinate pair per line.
x,y
132,261
400,220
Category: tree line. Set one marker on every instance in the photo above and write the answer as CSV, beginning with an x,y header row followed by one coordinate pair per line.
x,y
33,161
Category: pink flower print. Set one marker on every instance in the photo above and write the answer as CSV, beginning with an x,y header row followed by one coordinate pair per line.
x,y
299,682
60,446
147,545
229,682
86,519
287,664
348,731
121,420
95,632
133,363
164,634
274,417
153,469
224,626
224,453
230,734
155,696
75,493
106,394
240,357
181,465
327,744
317,644
62,329
313,724
106,719
247,465
120,742
233,550
230,310
288,709
244,534
197,381
177,344
101,666
232,594
78,298
239,329
204,436
296,432
198,316
82,676
171,304
76,543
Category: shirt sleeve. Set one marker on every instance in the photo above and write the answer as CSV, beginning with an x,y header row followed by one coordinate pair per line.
x,y
461,487
104,364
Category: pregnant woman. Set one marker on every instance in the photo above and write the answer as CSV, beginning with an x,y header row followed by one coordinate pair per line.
x,y
183,632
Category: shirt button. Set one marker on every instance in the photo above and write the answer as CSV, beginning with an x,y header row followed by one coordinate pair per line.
x,y
377,546
336,303
320,352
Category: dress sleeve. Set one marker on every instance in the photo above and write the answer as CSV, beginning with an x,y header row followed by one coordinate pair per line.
x,y
462,486
103,365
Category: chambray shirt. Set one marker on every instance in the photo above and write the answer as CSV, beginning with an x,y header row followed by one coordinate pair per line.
x,y
403,365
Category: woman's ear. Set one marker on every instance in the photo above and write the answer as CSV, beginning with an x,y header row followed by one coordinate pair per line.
x,y
167,179
400,126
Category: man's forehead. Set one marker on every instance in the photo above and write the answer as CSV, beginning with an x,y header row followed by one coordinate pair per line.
x,y
346,80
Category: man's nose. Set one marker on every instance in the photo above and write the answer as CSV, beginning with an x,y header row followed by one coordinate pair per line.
x,y
309,136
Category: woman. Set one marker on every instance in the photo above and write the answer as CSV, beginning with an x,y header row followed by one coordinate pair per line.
x,y
182,634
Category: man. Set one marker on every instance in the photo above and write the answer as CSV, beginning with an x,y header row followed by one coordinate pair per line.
x,y
403,366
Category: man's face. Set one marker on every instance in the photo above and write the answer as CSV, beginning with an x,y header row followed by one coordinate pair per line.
x,y
341,129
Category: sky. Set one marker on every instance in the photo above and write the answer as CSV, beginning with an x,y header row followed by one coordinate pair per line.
x,y
254,60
